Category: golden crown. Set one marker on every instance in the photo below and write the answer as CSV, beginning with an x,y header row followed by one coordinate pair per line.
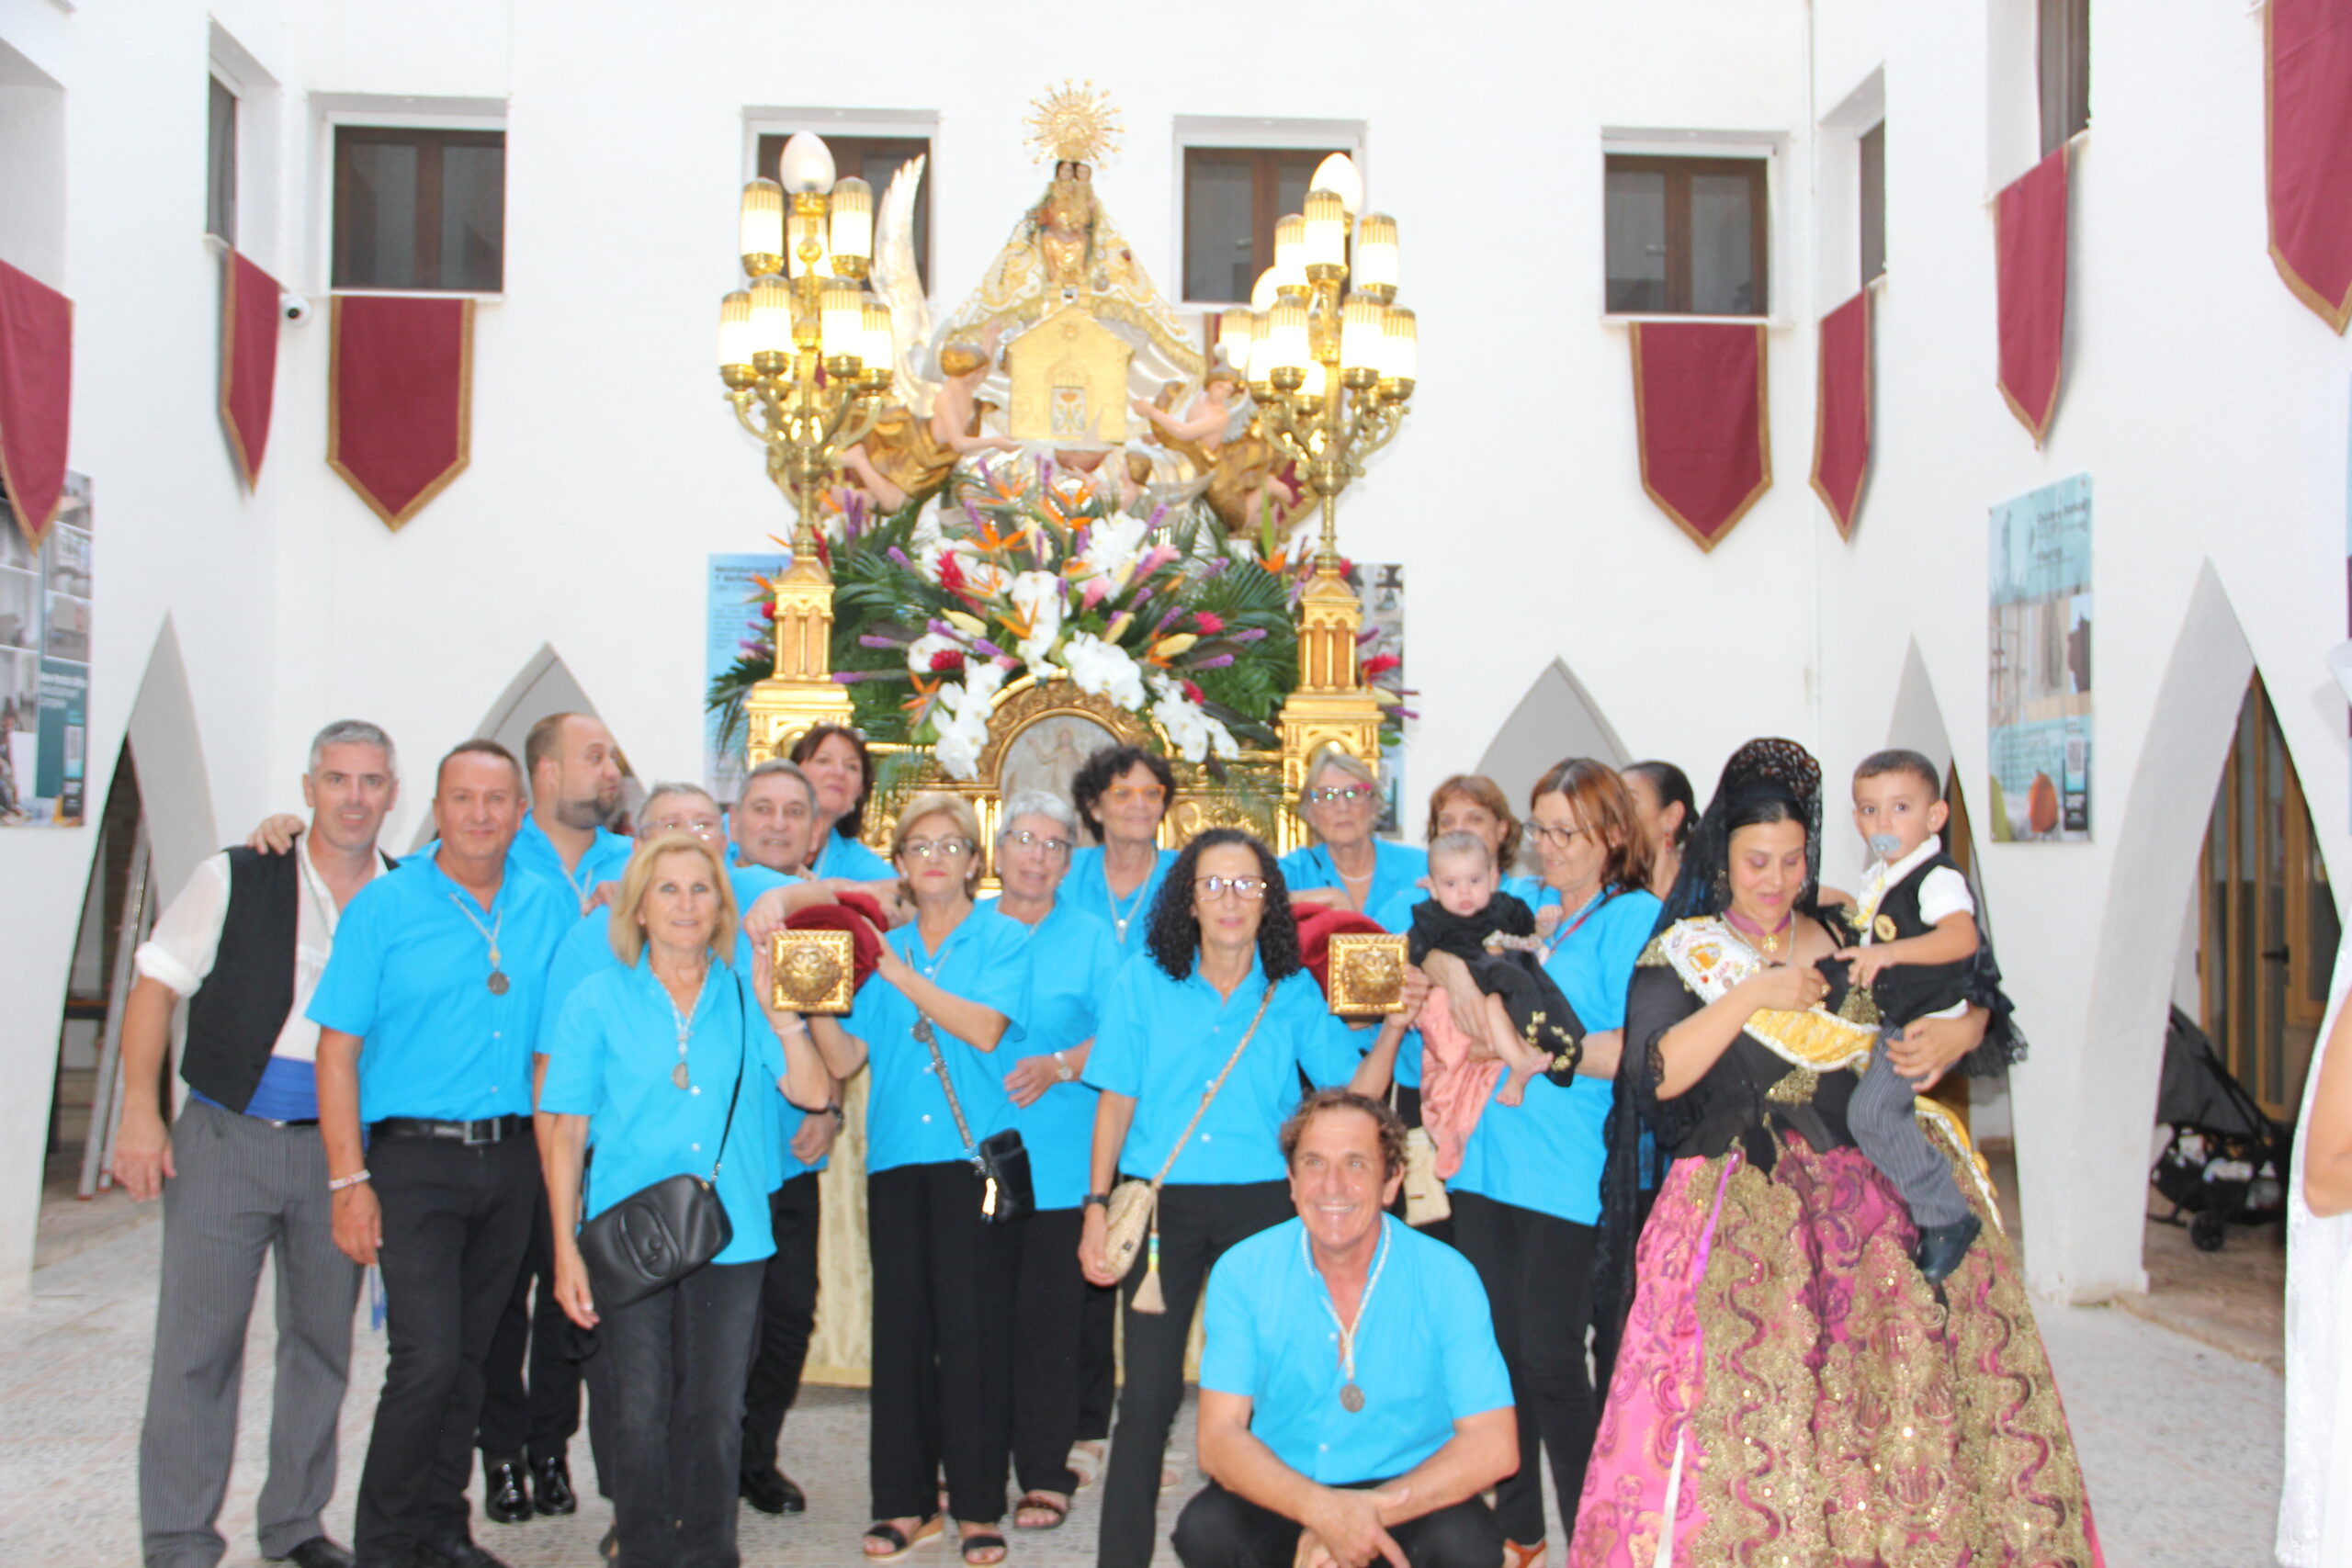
x,y
1074,124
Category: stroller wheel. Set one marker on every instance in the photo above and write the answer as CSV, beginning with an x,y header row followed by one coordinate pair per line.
x,y
2206,1233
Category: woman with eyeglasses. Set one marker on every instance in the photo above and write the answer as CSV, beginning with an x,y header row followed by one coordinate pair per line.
x,y
1122,794
951,982
1063,1376
1347,866
1527,1197
1221,960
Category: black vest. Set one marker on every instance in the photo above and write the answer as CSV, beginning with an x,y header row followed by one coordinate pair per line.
x,y
1911,991
234,1017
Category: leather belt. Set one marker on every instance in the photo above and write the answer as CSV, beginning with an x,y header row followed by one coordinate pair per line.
x,y
489,1130
281,1126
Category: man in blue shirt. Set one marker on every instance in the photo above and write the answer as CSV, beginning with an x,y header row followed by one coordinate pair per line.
x,y
574,770
1354,1402
427,1015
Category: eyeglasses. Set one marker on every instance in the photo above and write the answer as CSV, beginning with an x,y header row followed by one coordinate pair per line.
x,y
936,849
1349,793
1029,841
1128,795
1558,838
701,827
1239,887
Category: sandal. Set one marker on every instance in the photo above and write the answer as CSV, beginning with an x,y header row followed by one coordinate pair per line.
x,y
898,1540
1524,1556
1085,1460
981,1546
1055,1508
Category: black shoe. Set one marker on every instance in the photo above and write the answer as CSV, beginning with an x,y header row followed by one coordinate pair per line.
x,y
320,1552
457,1553
1941,1247
773,1491
551,1486
505,1498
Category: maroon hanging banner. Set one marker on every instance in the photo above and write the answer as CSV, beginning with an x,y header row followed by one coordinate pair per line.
x,y
36,397
1841,414
2307,100
1701,417
249,320
2030,259
400,398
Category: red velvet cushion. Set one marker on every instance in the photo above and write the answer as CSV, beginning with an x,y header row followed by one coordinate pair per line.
x,y
1318,924
856,913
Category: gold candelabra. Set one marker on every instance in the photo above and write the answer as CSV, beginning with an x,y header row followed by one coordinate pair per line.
x,y
805,354
1330,360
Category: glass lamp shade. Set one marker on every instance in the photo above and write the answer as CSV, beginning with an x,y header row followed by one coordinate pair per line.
x,y
1339,175
1363,336
1318,381
761,231
1376,260
770,315
1261,296
853,215
881,352
1286,334
807,164
843,319
1290,245
1402,362
1259,371
735,329
1326,224
1236,329
800,229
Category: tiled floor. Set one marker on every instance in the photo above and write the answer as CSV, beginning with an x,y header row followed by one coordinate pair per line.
x,y
2180,1441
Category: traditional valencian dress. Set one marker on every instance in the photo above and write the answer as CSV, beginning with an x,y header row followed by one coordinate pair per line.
x,y
1789,1390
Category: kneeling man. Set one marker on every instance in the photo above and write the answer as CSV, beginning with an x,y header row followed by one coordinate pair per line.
x,y
1354,1402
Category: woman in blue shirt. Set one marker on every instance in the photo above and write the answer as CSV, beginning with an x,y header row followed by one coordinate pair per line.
x,y
1063,1372
834,758
665,1061
1527,1198
1122,794
950,987
1221,965
1347,866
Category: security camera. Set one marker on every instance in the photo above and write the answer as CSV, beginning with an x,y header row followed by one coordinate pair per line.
x,y
294,307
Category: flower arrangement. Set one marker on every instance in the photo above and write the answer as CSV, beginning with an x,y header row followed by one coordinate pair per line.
x,y
1023,567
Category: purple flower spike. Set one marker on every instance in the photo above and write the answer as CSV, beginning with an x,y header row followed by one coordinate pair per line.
x,y
987,648
898,558
748,646
1247,633
874,640
942,628
1168,620
1213,661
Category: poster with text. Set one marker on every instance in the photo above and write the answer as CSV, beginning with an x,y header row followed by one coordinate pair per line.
x,y
45,597
733,619
2039,665
1380,588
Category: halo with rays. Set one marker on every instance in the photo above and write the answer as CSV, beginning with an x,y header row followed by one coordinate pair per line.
x,y
1075,124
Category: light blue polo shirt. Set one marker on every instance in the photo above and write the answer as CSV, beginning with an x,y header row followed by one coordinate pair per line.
x,y
851,860
984,960
605,861
1395,868
1071,959
1160,1042
614,1049
409,975
1425,1354
1088,887
1545,1153
1396,915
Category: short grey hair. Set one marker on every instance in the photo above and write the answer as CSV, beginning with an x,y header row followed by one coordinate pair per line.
x,y
669,786
1038,803
775,766
355,732
1328,757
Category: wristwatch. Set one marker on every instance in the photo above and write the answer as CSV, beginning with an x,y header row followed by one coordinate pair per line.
x,y
1092,1198
840,1117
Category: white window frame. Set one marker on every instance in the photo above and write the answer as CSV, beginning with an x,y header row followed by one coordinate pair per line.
x,y
333,110
1837,212
1771,146
1250,131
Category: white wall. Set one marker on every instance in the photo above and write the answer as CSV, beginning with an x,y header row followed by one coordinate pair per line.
x,y
606,466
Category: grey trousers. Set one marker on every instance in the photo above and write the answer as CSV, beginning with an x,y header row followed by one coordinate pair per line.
x,y
1888,1133
243,1189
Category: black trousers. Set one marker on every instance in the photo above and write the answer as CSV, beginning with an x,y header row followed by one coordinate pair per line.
x,y
1098,1359
1538,1272
457,1222
1051,1303
942,1316
1608,1328
788,1317
677,1362
536,1424
1218,1529
1197,1224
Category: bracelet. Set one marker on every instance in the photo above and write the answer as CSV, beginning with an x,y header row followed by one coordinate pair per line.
x,y
339,1183
797,1026
841,1118
1094,1198
1063,1063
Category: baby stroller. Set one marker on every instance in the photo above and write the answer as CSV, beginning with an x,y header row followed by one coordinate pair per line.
x,y
2226,1161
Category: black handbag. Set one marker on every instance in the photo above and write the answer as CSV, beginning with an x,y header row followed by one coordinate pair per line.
x,y
659,1233
1007,1193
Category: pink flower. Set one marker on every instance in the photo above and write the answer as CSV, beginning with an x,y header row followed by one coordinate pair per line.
x,y
1208,621
947,661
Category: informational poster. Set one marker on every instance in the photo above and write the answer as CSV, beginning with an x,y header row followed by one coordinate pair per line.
x,y
45,667
734,619
2039,665
1380,588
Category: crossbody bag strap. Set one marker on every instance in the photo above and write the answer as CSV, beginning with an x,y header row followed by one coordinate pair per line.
x,y
947,1086
742,1060
1217,1083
